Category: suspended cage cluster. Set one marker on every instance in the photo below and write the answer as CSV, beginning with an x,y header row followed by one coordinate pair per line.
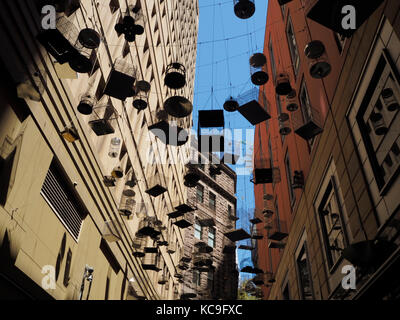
x,y
131,24
171,131
307,122
150,227
291,101
284,126
141,95
258,69
254,106
319,66
68,45
265,172
120,82
244,9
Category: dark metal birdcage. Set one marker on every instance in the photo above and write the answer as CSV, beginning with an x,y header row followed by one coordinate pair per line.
x,y
254,106
244,9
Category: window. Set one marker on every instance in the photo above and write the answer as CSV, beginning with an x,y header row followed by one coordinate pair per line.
x,y
198,230
303,270
285,292
196,277
212,201
279,109
200,193
59,194
294,53
229,210
272,58
289,179
340,41
306,109
211,237
331,219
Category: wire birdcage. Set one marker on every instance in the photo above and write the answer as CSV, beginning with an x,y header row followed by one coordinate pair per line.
x,y
244,9
258,69
254,106
141,97
307,122
175,76
103,118
265,172
319,66
120,83
127,206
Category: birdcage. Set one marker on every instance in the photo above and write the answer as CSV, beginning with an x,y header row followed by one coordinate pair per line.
x,y
175,76
282,84
254,106
141,97
184,221
89,38
147,227
87,103
84,60
278,230
265,172
307,122
192,176
131,23
258,69
257,234
171,131
103,118
231,104
178,106
215,169
59,42
298,179
211,140
244,9
284,128
151,261
171,248
162,279
156,185
117,172
378,123
110,232
109,181
70,133
202,259
115,146
319,66
391,96
127,206
259,279
291,101
139,243
121,80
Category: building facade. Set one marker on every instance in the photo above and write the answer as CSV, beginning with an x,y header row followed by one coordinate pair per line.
x,y
210,271
83,178
334,201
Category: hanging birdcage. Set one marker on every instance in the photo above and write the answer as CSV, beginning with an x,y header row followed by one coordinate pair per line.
x,y
139,243
178,106
103,118
307,122
215,169
282,84
127,206
254,106
283,2
141,97
86,103
151,261
171,248
117,172
115,145
257,234
184,221
121,80
175,76
258,69
89,38
162,279
244,9
59,42
156,185
284,128
131,23
269,277
109,181
70,133
259,279
202,259
211,140
264,172
231,105
291,101
319,66
278,230
171,131
84,60
149,226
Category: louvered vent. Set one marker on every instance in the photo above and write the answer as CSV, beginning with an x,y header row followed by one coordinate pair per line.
x,y
62,201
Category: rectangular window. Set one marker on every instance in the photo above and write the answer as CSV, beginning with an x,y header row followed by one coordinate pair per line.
x,y
196,277
303,269
211,237
340,41
210,279
331,218
289,179
212,201
306,109
198,230
59,194
200,193
294,52
279,109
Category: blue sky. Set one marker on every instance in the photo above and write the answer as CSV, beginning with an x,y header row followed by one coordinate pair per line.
x,y
225,44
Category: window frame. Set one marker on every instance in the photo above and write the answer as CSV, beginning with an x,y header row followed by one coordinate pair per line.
x,y
213,238
212,195
293,46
